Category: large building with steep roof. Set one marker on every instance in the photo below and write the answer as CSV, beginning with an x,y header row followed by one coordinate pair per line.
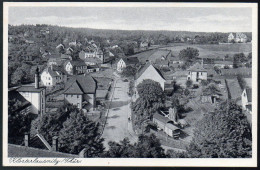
x,y
148,71
80,91
50,77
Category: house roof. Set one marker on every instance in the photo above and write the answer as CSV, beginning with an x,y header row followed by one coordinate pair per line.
x,y
81,84
30,88
197,67
75,63
93,60
236,71
22,151
65,56
249,94
144,67
14,94
234,88
171,126
130,60
161,118
158,54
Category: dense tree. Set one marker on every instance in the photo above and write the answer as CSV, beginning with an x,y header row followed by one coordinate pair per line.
x,y
129,71
18,124
146,147
189,54
79,133
238,59
225,133
211,90
189,83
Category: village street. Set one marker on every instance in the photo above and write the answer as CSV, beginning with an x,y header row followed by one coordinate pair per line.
x,y
117,126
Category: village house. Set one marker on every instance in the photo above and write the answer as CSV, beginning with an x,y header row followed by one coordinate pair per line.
x,y
35,95
241,38
196,73
148,71
51,77
144,44
55,61
223,64
124,62
80,91
231,37
75,67
96,53
246,99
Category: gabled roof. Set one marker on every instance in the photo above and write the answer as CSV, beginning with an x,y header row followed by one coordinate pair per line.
x,y
81,84
143,68
249,94
93,60
161,118
52,72
197,67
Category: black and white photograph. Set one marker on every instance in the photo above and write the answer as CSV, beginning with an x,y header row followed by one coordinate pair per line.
x,y
87,82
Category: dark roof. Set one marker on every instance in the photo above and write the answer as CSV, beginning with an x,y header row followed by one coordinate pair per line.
x,y
93,60
77,63
14,94
161,118
249,94
249,106
197,67
52,72
130,60
22,151
29,88
144,67
81,84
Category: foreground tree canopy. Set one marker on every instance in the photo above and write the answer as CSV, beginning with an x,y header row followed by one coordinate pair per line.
x,y
146,147
225,133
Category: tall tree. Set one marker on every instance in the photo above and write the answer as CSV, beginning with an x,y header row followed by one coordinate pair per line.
x,y
79,133
189,54
225,133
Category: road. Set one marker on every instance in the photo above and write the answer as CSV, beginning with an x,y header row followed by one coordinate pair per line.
x,y
117,126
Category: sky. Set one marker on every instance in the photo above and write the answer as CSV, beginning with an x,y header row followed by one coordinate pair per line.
x,y
197,19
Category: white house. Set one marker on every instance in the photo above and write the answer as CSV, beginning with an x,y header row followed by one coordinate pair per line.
x,y
240,37
123,62
148,71
35,95
197,73
231,37
246,99
50,78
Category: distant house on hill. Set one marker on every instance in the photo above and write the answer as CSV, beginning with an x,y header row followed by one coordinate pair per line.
x,y
197,73
51,77
246,99
144,44
80,90
123,62
231,37
240,37
148,71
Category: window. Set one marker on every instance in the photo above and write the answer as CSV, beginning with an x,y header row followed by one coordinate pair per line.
x,y
49,78
71,95
77,96
78,105
201,73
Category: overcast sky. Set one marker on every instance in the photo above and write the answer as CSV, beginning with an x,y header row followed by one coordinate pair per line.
x,y
158,18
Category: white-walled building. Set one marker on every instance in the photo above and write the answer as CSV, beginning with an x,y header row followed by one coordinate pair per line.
x,y
231,37
246,99
196,73
50,77
148,71
123,62
35,95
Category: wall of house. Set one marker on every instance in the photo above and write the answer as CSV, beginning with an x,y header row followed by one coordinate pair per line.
x,y
69,68
244,100
197,76
74,99
37,99
46,79
150,73
168,131
91,98
159,123
120,65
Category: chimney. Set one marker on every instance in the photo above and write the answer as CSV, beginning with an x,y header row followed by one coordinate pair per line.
x,y
37,78
55,143
26,139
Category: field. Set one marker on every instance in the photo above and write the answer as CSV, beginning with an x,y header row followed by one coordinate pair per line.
x,y
213,50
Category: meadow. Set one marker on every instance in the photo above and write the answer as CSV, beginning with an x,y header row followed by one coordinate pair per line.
x,y
213,50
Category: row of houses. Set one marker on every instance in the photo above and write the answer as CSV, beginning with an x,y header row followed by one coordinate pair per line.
x,y
238,38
